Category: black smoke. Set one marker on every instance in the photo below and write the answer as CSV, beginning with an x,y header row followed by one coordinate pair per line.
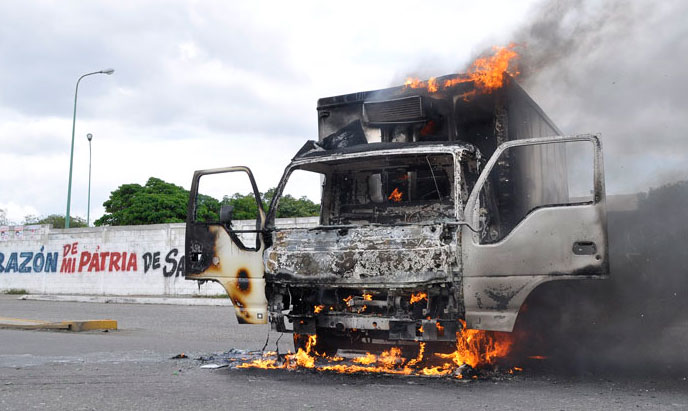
x,y
637,321
618,68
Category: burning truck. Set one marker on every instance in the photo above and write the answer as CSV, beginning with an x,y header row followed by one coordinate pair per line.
x,y
444,203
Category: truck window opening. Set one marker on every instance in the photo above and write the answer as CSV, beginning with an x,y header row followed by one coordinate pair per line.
x,y
388,190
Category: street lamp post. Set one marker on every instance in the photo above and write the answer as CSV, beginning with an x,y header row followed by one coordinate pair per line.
x,y
89,136
71,154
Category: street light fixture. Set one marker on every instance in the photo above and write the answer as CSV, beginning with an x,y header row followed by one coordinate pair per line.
x,y
89,136
71,155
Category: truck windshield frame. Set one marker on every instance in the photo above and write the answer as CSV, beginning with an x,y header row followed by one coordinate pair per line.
x,y
438,167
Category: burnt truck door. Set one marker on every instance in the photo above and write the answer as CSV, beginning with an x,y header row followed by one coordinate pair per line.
x,y
536,213
217,249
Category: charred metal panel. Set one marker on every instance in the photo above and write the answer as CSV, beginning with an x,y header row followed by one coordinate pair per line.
x,y
241,273
214,252
369,255
493,303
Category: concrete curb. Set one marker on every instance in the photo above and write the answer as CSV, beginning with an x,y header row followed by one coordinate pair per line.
x,y
128,300
89,325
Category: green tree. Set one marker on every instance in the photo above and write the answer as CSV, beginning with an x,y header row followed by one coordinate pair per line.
x,y
160,202
30,219
245,207
290,206
207,208
156,202
57,220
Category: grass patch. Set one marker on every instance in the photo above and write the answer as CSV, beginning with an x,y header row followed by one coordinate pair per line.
x,y
15,291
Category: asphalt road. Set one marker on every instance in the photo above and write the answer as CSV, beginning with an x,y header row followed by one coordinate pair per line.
x,y
131,369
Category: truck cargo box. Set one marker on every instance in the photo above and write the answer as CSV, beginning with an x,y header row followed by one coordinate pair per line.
x,y
440,111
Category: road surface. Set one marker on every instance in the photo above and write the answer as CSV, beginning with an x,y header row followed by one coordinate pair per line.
x,y
131,369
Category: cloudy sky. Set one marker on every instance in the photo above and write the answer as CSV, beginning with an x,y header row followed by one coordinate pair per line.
x,y
201,84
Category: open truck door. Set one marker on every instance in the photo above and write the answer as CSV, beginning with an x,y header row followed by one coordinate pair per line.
x,y
549,225
217,250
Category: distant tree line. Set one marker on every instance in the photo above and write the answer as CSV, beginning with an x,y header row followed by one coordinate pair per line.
x,y
57,220
159,202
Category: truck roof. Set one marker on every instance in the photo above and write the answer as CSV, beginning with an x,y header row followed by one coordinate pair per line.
x,y
445,109
312,152
396,91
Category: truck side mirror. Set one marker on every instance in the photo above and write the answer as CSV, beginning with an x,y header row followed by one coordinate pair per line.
x,y
226,214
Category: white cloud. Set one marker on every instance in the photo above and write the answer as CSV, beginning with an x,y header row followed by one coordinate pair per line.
x,y
15,213
216,83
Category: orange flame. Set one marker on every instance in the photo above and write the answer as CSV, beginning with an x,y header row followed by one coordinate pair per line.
x,y
477,347
419,357
395,196
318,308
486,72
367,297
302,358
413,83
366,359
432,85
473,347
419,296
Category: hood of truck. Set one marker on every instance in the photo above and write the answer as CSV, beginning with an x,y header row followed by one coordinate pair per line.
x,y
407,255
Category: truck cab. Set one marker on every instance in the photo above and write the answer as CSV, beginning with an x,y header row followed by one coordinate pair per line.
x,y
437,213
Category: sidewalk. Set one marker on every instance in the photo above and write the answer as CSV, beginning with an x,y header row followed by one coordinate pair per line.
x,y
129,299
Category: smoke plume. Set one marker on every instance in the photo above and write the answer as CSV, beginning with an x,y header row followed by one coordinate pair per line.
x,y
618,68
638,319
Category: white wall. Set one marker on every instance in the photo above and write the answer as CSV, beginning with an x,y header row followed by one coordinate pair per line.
x,y
126,260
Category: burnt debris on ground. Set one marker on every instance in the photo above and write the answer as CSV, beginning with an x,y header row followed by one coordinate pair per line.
x,y
386,364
